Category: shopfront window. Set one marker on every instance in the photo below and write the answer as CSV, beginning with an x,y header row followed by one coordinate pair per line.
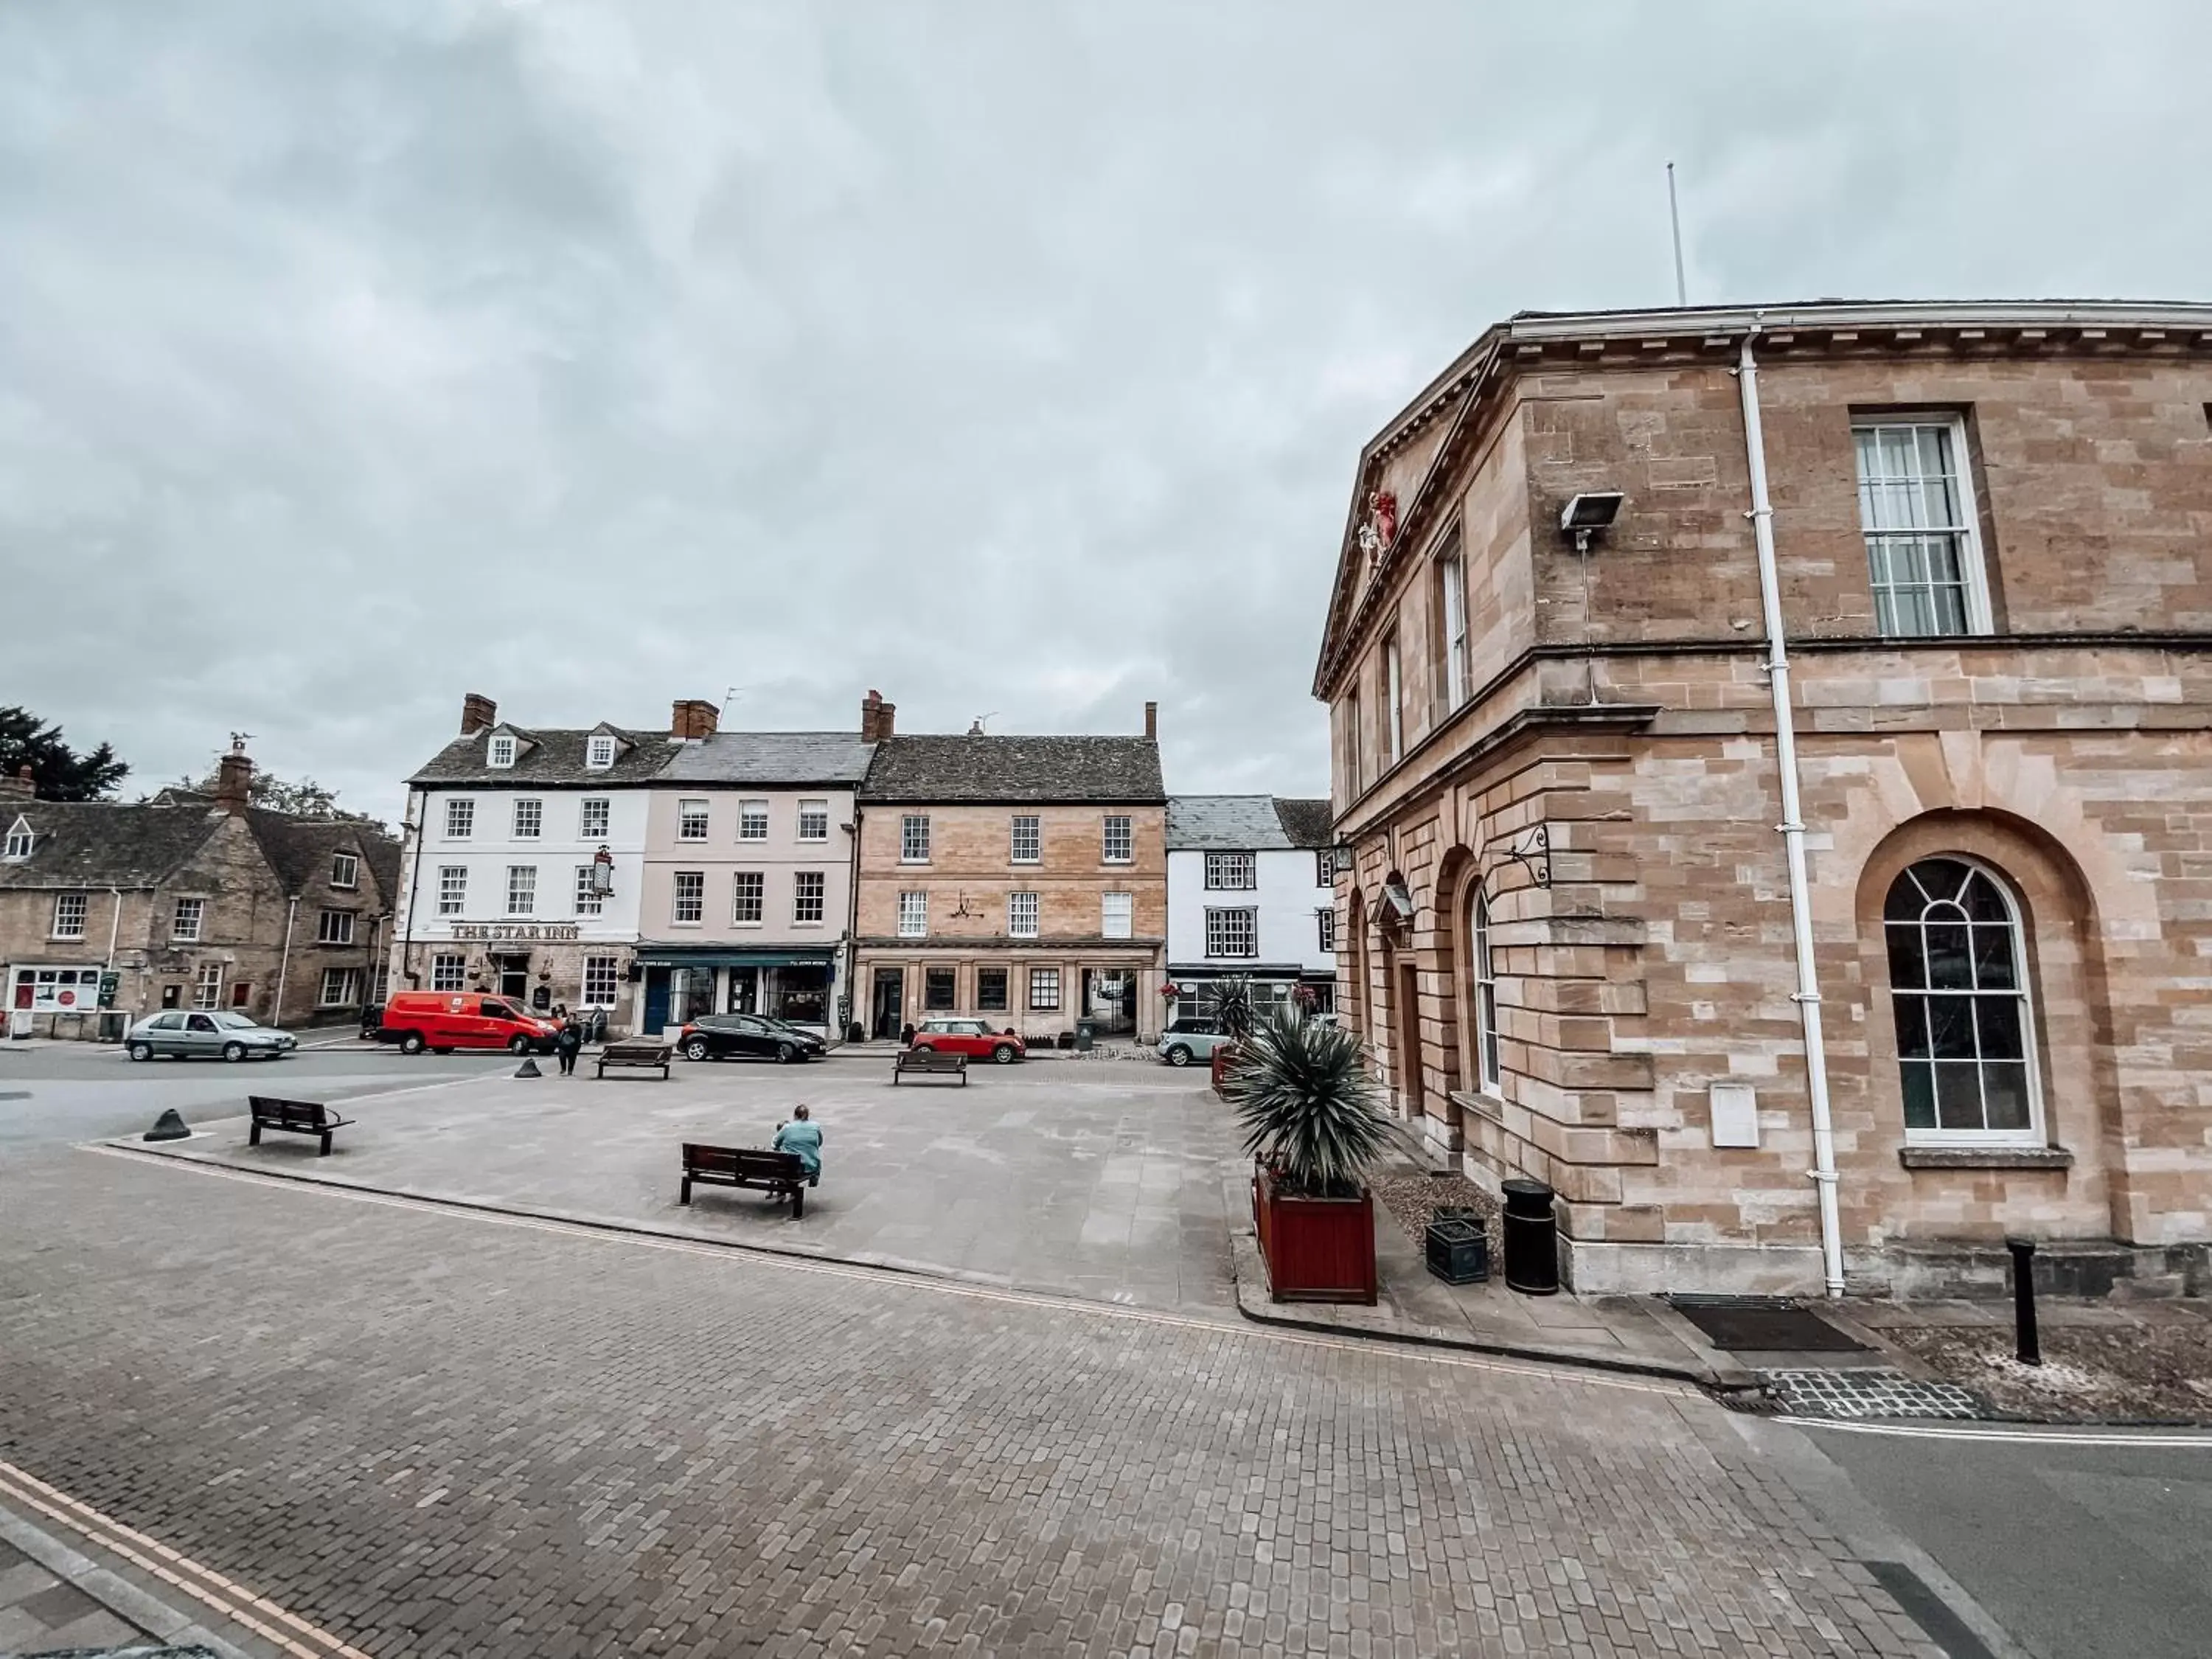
x,y
800,995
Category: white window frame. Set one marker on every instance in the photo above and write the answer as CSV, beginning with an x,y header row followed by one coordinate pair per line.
x,y
2036,1133
349,981
529,818
1325,929
589,902
78,903
207,988
334,928
452,890
807,884
748,898
21,840
448,970
753,820
914,838
687,898
1451,577
914,915
1222,868
1039,978
602,980
179,930
1025,839
1488,1073
1114,926
345,871
460,818
499,752
1217,929
813,821
522,889
594,815
1022,915
1353,777
1967,532
693,818
599,752
1121,827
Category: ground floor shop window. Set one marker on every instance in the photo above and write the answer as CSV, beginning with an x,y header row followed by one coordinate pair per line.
x,y
445,971
1044,989
800,995
936,994
600,975
991,989
743,996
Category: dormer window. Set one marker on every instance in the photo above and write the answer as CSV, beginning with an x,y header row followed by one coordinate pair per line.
x,y
599,753
19,842
501,752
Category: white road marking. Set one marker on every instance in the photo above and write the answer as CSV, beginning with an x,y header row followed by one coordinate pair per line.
x,y
2162,1440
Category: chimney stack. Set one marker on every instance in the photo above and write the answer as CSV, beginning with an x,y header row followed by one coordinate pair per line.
x,y
691,719
19,787
1151,722
871,717
478,713
233,779
887,720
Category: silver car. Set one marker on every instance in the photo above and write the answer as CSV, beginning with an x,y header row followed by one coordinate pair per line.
x,y
187,1034
1186,1040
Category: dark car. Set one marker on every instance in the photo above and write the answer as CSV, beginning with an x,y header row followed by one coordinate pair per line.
x,y
747,1036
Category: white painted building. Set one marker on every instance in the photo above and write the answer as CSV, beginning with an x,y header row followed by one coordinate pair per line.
x,y
1251,889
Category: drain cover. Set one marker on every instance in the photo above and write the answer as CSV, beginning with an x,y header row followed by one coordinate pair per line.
x,y
1764,1324
1867,1393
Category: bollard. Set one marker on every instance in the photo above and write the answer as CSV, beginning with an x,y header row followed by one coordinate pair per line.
x,y
2023,1298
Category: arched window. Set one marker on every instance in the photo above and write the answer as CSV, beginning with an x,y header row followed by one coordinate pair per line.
x,y
1965,1032
1484,997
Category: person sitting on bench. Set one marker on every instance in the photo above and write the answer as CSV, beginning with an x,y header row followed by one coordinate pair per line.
x,y
802,1138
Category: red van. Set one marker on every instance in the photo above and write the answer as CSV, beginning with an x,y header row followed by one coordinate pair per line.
x,y
442,1021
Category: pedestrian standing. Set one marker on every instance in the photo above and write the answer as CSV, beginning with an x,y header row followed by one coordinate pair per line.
x,y
565,1043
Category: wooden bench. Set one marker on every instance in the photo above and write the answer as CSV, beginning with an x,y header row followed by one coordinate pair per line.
x,y
301,1117
637,1052
930,1062
781,1173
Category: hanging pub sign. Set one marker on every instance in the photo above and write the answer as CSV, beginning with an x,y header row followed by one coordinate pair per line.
x,y
519,933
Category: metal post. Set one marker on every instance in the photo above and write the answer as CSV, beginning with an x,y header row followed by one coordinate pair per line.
x,y
1675,219
2023,1298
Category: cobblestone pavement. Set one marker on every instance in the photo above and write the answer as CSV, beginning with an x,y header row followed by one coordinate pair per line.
x,y
436,1434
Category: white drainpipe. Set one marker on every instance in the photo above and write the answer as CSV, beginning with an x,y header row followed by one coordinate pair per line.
x,y
1807,997
284,964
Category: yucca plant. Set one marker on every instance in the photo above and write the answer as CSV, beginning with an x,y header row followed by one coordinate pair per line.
x,y
1230,1006
1301,1091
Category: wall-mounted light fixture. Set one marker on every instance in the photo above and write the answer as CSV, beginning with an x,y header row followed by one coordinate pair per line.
x,y
1588,513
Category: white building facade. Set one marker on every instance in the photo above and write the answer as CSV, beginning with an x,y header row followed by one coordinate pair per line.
x,y
1251,890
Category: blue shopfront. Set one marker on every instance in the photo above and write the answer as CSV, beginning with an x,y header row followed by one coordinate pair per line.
x,y
797,986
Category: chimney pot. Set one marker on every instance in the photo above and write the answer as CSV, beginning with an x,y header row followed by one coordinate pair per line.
x,y
478,713
1151,722
233,781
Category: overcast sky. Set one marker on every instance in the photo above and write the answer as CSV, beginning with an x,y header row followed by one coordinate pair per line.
x,y
1009,357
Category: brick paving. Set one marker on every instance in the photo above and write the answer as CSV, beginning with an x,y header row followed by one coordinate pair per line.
x,y
433,1434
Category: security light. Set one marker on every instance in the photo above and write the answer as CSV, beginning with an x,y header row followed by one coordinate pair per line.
x,y
1593,510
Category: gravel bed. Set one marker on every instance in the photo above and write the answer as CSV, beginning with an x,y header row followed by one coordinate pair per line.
x,y
2092,1373
1411,1199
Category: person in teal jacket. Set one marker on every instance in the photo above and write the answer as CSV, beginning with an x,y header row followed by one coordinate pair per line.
x,y
803,1137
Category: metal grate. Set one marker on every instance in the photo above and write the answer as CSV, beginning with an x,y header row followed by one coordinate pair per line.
x,y
1762,1324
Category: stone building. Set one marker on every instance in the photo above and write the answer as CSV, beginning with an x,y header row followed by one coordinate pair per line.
x,y
1615,590
109,911
748,895
1251,891
525,859
1020,879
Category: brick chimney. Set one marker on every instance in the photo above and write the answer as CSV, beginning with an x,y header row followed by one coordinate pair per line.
x,y
690,719
1151,722
478,713
233,779
887,720
871,717
18,787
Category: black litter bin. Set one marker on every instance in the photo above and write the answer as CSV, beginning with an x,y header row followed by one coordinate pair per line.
x,y
1532,1239
1086,1034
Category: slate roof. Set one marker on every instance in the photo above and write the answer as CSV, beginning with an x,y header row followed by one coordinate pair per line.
x,y
771,757
950,769
1225,824
1308,822
548,757
103,843
300,850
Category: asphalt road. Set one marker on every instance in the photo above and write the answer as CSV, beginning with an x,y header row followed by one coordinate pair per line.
x,y
51,1094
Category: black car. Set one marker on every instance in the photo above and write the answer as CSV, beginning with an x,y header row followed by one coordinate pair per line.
x,y
747,1036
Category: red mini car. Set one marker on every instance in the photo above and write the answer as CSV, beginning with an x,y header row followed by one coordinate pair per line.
x,y
971,1038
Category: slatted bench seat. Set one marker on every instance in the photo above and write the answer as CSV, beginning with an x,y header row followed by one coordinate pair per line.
x,y
299,1117
930,1062
644,1055
781,1173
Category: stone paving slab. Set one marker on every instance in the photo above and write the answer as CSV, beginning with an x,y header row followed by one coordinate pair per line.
x,y
473,1435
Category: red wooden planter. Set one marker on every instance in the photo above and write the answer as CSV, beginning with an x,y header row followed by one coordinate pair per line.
x,y
1223,1062
1317,1249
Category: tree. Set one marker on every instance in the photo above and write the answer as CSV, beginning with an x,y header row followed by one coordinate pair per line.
x,y
305,798
57,771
